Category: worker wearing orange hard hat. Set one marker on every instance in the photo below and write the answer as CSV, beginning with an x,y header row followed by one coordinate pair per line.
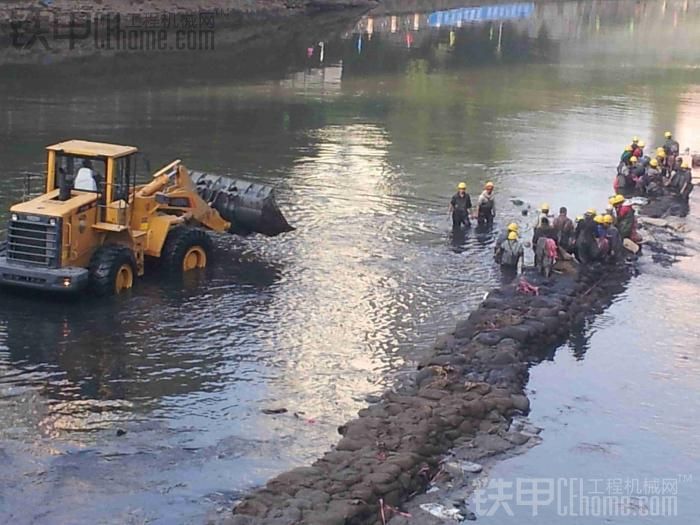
x,y
486,205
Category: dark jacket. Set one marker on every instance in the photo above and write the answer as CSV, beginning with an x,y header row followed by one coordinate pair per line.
x,y
461,203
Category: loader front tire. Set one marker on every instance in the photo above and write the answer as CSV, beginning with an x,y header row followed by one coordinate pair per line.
x,y
112,270
186,249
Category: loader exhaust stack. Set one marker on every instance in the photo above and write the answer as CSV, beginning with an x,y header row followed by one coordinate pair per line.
x,y
248,206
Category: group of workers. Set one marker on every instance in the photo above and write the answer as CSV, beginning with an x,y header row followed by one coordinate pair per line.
x,y
591,237
666,170
461,209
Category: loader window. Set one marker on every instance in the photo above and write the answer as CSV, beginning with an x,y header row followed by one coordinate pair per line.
x,y
124,177
80,170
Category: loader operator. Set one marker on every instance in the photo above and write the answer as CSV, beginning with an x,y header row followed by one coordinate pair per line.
x,y
85,178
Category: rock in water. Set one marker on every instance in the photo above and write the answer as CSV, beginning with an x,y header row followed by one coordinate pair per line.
x,y
270,411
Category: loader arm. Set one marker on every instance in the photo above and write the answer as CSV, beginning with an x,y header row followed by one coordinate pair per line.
x,y
174,191
218,203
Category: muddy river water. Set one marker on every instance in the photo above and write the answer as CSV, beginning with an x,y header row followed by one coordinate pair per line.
x,y
364,125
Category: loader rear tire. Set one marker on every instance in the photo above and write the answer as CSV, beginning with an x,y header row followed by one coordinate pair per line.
x,y
186,249
112,270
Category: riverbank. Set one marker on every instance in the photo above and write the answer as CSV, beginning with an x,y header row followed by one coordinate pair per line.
x,y
463,401
70,30
244,9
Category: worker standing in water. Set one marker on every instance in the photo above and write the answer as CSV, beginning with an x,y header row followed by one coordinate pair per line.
x,y
565,230
681,182
585,237
502,237
671,145
662,161
512,254
543,214
626,154
460,207
635,142
486,205
601,248
626,220
541,248
616,250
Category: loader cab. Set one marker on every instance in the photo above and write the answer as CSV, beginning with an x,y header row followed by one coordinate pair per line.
x,y
78,167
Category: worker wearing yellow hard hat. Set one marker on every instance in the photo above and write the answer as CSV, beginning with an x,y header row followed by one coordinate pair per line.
x,y
543,214
486,205
638,148
585,237
629,173
671,145
616,249
652,180
660,158
617,199
601,245
544,239
625,218
503,236
626,154
460,208
681,181
510,254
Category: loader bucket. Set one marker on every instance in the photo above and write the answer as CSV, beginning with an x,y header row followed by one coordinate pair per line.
x,y
249,207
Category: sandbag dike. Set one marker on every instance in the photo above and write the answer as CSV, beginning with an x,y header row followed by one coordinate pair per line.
x,y
471,385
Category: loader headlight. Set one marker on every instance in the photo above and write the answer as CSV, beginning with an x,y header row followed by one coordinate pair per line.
x,y
66,282
14,217
52,222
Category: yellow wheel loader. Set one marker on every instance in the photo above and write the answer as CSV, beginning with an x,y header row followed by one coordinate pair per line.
x,y
94,227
